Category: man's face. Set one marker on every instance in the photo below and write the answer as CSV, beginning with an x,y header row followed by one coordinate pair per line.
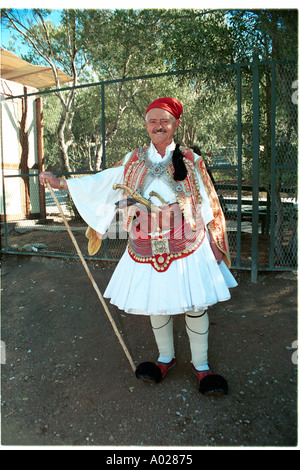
x,y
161,126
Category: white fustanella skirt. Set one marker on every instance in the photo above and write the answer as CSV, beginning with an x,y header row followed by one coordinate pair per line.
x,y
189,284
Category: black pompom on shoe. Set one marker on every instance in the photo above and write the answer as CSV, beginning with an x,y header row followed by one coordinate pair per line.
x,y
213,384
148,371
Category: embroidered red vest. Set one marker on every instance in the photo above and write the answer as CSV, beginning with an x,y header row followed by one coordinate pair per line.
x,y
160,250
156,250
187,192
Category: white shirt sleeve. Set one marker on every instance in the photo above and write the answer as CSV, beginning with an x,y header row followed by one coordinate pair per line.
x,y
95,198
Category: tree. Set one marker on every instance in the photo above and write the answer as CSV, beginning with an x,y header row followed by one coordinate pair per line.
x,y
272,34
58,47
115,44
122,44
194,38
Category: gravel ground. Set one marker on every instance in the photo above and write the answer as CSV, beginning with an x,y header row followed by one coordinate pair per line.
x,y
67,382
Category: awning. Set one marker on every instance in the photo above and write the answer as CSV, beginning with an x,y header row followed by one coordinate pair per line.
x,y
37,76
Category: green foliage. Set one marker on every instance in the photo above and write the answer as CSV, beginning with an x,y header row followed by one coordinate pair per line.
x,y
268,33
103,44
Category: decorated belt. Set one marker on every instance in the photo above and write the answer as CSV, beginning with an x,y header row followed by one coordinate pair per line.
x,y
146,221
161,250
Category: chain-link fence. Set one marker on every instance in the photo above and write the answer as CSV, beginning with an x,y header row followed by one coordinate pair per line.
x,y
284,160
107,121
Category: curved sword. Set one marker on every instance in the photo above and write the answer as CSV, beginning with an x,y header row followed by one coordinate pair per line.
x,y
137,197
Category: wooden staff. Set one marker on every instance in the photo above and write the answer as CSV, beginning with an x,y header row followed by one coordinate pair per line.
x,y
92,279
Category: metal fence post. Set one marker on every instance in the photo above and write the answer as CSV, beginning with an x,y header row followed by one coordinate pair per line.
x,y
103,149
103,125
273,163
239,152
3,181
255,167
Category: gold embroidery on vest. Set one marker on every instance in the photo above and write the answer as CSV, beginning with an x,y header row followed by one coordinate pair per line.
x,y
187,192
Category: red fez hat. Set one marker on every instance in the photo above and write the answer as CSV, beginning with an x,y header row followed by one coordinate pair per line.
x,y
172,105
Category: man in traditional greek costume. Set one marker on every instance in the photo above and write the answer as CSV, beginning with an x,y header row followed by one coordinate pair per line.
x,y
177,259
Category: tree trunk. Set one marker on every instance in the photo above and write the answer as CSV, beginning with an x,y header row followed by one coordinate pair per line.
x,y
62,145
98,156
25,153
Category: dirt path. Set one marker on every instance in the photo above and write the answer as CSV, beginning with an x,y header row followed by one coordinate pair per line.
x,y
67,382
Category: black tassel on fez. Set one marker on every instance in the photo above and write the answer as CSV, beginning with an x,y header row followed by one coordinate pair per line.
x,y
178,163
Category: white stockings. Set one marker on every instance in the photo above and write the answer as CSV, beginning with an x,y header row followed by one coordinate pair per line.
x,y
162,326
197,326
